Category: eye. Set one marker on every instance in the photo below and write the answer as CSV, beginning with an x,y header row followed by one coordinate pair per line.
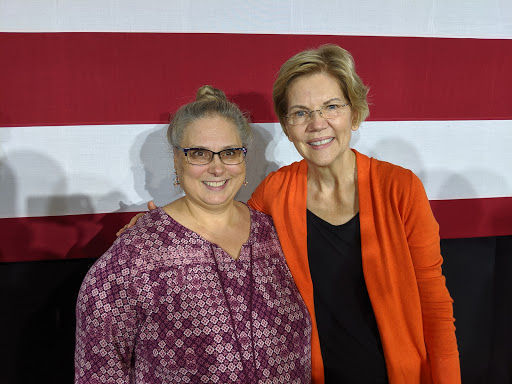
x,y
332,107
229,153
198,153
300,113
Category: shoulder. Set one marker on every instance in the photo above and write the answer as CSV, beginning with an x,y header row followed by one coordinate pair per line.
x,y
263,238
262,224
390,171
287,171
260,218
280,181
148,233
278,186
137,245
388,184
154,221
384,173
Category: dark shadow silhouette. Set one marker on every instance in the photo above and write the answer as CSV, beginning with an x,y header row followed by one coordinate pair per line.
x,y
258,167
152,168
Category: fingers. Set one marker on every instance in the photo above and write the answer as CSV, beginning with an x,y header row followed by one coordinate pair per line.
x,y
131,223
122,230
151,206
135,218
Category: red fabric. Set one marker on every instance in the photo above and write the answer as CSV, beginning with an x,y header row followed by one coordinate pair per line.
x,y
130,78
77,236
481,217
401,264
59,237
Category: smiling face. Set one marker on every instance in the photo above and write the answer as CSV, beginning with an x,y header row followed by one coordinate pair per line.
x,y
214,185
321,142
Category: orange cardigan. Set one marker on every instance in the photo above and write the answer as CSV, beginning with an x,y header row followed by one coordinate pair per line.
x,y
401,264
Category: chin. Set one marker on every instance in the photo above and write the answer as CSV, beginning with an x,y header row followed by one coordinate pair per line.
x,y
320,161
218,201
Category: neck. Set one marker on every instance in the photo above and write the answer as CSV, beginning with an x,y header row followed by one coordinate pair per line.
x,y
341,172
211,219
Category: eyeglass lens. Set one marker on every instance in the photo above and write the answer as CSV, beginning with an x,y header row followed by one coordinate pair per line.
x,y
204,156
327,112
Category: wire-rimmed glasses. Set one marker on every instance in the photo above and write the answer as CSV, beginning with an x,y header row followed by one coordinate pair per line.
x,y
302,116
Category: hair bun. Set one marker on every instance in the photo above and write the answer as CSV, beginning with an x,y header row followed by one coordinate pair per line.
x,y
208,93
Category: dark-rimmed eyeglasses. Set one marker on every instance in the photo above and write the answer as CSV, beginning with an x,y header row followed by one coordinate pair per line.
x,y
302,116
203,156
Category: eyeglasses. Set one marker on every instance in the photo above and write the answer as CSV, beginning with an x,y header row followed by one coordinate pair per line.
x,y
329,111
202,156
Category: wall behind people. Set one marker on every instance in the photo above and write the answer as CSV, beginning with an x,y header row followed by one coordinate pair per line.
x,y
87,87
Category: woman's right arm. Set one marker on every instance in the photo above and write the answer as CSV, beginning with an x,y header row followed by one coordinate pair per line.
x,y
106,320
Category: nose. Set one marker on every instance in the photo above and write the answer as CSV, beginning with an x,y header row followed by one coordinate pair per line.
x,y
216,166
316,121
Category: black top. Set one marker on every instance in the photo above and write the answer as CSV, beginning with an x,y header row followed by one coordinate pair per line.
x,y
349,337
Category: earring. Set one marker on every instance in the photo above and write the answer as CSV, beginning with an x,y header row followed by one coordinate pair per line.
x,y
176,180
245,182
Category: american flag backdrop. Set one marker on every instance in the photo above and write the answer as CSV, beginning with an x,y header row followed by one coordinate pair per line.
x,y
86,88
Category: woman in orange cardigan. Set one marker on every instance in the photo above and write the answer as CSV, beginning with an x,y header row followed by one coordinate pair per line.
x,y
358,235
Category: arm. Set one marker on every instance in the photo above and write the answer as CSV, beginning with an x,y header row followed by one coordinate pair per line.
x,y
422,233
257,200
106,320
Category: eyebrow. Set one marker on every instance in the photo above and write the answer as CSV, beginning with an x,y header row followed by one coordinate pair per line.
x,y
325,103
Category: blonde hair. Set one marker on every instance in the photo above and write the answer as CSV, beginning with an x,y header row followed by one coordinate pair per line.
x,y
329,59
209,102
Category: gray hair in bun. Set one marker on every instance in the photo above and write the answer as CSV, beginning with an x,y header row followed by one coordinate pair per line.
x,y
209,102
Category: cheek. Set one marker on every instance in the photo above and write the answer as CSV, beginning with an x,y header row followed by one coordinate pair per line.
x,y
292,135
193,173
240,170
187,171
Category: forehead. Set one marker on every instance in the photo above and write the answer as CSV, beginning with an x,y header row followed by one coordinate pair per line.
x,y
212,132
313,90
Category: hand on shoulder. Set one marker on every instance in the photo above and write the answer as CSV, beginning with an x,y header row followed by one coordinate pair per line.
x,y
151,206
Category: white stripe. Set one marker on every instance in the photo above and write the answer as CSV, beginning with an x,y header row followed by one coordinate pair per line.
x,y
47,171
72,170
454,159
454,18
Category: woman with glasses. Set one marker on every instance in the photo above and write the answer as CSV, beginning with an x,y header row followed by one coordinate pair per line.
x,y
358,235
199,290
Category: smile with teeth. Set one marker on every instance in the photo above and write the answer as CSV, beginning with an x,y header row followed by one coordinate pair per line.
x,y
215,183
325,141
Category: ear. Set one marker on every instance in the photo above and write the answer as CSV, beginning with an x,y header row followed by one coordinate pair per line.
x,y
355,125
175,158
285,130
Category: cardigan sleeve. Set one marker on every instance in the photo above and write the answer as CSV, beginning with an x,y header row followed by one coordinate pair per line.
x,y
106,321
422,233
260,196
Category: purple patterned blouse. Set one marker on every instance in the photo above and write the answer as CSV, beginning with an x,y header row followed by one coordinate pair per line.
x,y
164,305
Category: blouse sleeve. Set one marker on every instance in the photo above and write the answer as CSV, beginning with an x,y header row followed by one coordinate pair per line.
x,y
106,320
422,233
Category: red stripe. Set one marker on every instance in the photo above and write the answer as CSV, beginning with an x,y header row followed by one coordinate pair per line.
x,y
59,237
127,78
473,217
83,236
